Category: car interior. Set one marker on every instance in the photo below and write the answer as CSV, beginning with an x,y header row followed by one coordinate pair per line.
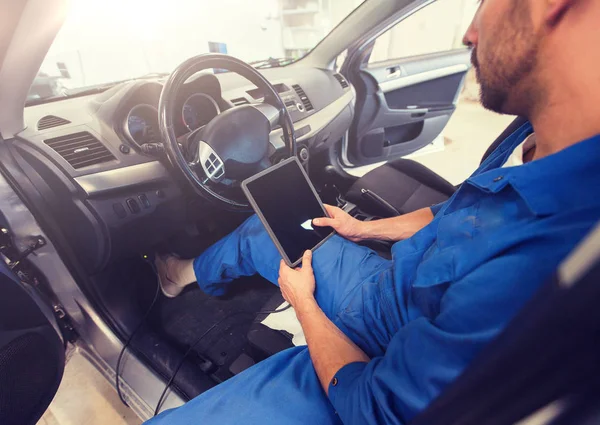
x,y
111,172
153,165
106,185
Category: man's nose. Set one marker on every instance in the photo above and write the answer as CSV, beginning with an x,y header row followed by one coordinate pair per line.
x,y
471,37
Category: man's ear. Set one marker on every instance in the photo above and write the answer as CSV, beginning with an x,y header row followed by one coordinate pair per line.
x,y
555,9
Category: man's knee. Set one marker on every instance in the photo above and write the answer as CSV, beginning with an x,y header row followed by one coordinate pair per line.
x,y
252,227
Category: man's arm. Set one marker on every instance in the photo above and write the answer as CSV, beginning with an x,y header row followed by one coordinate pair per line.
x,y
390,229
329,348
397,228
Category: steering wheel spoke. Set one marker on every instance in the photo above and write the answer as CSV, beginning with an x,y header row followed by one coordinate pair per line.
x,y
188,145
195,162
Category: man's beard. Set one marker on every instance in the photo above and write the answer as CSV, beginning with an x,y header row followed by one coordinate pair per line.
x,y
505,71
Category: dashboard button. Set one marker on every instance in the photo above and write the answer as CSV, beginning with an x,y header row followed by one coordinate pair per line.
x,y
124,149
119,210
133,206
144,200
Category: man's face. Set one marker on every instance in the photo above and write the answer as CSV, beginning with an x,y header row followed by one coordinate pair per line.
x,y
505,49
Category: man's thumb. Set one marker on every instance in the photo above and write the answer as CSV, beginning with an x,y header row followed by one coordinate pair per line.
x,y
322,221
307,260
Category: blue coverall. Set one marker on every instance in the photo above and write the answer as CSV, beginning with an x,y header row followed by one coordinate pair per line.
x,y
422,316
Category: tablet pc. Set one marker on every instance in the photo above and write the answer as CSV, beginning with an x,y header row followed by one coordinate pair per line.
x,y
286,202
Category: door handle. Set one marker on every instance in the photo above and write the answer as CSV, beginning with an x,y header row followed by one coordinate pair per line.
x,y
416,111
394,72
412,110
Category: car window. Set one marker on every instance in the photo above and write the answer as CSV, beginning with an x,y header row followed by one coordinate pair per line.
x,y
437,27
150,38
340,60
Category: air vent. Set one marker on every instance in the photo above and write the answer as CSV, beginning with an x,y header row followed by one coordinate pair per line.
x,y
80,149
303,97
341,80
50,121
240,101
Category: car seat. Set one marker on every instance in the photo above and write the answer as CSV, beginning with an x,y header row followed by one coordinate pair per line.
x,y
403,185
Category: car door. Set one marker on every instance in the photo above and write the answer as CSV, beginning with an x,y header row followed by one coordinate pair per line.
x,y
408,83
32,352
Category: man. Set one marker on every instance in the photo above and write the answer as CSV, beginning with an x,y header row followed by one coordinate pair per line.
x,y
386,337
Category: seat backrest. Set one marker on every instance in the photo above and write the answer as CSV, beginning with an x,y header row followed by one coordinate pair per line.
x,y
548,353
518,122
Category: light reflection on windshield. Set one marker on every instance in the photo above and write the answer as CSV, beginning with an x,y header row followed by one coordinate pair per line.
x,y
114,40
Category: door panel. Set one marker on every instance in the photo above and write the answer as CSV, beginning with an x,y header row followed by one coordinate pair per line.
x,y
403,105
32,356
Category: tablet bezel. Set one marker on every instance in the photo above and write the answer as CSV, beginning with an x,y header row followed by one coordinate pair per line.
x,y
264,220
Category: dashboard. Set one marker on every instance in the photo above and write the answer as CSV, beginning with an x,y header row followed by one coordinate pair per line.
x,y
100,162
198,110
141,125
198,104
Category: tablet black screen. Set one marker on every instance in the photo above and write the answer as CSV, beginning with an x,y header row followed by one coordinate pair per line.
x,y
288,204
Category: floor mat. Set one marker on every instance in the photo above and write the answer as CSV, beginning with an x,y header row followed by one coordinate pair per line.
x,y
288,322
185,318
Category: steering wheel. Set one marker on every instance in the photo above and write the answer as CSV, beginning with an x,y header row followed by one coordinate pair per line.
x,y
235,144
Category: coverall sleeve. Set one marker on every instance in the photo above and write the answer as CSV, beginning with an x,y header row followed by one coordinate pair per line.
x,y
437,207
426,355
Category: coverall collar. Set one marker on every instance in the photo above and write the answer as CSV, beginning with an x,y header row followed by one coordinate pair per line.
x,y
532,180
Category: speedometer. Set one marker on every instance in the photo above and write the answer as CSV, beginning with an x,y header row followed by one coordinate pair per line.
x,y
138,127
198,110
142,125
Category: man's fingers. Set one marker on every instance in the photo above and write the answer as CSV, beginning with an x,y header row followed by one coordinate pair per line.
x,y
327,221
307,260
323,221
331,210
283,268
285,296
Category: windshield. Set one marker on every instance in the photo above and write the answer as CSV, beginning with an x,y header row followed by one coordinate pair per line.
x,y
103,42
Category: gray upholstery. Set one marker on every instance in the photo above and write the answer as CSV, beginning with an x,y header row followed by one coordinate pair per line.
x,y
402,186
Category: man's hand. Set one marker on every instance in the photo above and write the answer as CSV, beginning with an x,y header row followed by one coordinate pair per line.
x,y
329,348
387,229
297,286
343,223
